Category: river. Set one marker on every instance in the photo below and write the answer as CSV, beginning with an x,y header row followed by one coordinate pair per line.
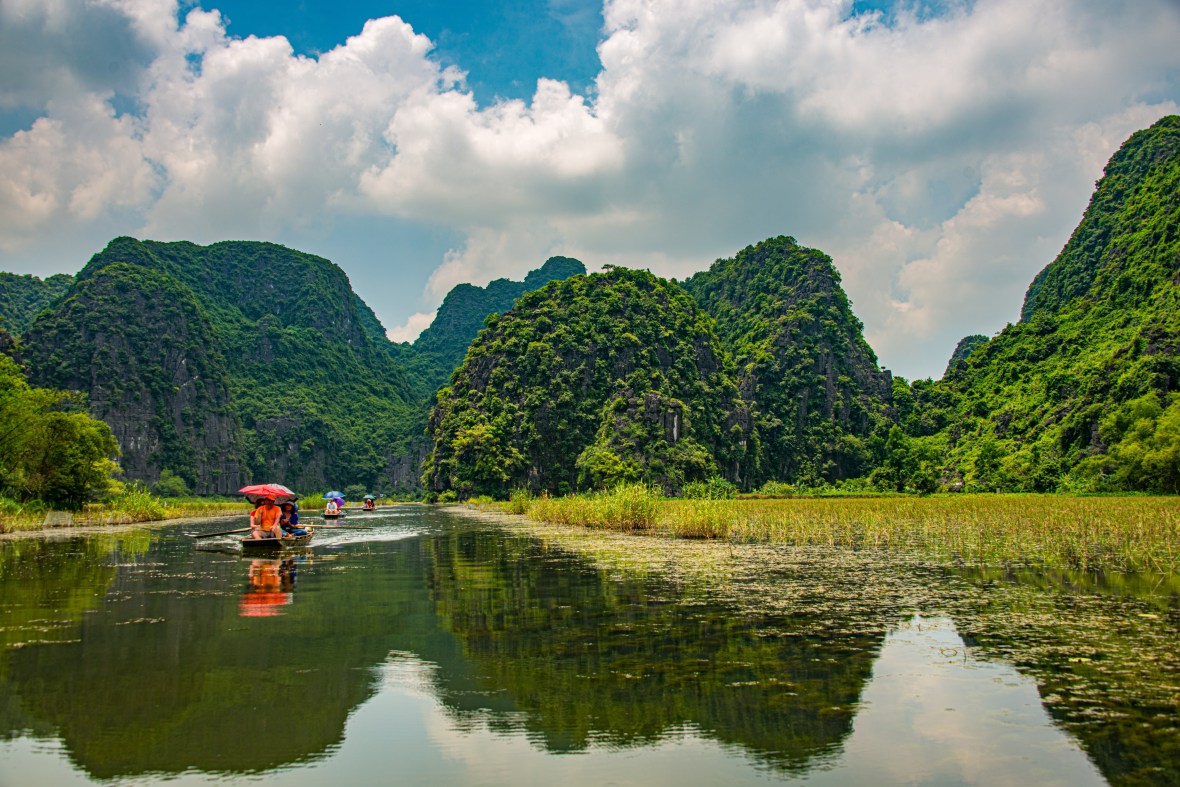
x,y
421,646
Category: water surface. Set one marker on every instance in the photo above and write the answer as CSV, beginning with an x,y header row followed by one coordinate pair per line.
x,y
418,646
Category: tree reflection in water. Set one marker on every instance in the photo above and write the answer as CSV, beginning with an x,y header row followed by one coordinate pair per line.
x,y
587,644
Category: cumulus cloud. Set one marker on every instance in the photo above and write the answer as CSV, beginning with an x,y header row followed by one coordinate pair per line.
x,y
409,330
941,159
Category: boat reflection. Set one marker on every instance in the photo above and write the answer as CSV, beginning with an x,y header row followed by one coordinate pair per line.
x,y
271,584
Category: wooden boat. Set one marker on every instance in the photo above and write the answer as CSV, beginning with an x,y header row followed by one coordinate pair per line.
x,y
275,544
337,515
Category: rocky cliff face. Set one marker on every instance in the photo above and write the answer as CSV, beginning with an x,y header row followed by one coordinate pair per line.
x,y
804,368
137,342
587,382
431,359
440,348
1085,390
307,392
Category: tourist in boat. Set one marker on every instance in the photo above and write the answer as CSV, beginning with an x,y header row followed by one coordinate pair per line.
x,y
264,522
369,504
289,521
332,509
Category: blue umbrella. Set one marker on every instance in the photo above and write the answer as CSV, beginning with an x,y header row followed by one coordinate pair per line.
x,y
333,494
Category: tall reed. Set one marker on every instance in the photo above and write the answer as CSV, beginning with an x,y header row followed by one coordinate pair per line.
x,y
1116,533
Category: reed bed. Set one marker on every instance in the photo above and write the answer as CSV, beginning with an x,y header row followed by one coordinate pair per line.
x,y
129,508
1110,533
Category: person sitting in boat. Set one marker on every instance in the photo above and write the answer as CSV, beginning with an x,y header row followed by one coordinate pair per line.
x,y
264,522
289,521
331,509
369,504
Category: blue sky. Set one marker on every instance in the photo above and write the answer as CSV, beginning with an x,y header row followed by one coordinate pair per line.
x,y
940,151
505,47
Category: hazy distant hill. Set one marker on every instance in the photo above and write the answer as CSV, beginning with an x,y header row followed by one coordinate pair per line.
x,y
23,297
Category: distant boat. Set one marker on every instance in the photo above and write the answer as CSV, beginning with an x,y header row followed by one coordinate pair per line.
x,y
275,544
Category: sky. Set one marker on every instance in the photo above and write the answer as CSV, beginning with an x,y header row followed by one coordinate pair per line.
x,y
940,151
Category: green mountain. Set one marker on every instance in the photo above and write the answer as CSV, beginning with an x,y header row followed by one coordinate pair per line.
x,y
588,381
439,350
23,297
965,347
157,380
434,356
812,381
272,368
1085,391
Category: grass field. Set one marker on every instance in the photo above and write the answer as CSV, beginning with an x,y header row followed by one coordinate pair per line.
x,y
126,509
1129,533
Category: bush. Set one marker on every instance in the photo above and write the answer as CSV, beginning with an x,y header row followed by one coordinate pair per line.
x,y
716,488
519,501
170,485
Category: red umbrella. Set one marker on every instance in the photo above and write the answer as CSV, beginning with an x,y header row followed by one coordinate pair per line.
x,y
256,492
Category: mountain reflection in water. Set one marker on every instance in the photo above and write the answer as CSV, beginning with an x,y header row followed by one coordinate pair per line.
x,y
452,650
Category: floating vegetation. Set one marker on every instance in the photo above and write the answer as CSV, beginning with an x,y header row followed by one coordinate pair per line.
x,y
1100,645
1052,531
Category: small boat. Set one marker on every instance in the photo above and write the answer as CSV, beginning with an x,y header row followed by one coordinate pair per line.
x,y
337,515
275,544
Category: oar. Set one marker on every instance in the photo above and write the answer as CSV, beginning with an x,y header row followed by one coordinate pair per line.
x,y
223,533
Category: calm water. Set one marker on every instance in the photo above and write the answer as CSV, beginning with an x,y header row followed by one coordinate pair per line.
x,y
421,647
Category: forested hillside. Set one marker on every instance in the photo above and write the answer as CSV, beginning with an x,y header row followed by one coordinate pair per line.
x,y
315,397
1084,392
23,297
158,380
589,381
439,350
249,361
816,392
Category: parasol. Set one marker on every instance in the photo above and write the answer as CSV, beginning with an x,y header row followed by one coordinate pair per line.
x,y
256,492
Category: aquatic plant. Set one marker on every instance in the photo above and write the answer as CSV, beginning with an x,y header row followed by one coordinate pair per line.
x,y
1116,533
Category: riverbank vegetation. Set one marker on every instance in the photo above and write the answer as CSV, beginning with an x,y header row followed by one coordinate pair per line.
x,y
128,508
1130,533
757,370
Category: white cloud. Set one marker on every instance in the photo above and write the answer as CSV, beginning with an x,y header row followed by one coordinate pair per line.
x,y
941,161
409,330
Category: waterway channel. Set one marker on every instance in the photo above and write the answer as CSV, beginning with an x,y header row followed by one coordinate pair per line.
x,y
424,646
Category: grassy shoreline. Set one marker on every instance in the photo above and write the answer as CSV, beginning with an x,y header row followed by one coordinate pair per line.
x,y
130,509
1052,531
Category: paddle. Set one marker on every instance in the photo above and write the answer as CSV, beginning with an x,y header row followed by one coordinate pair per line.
x,y
223,533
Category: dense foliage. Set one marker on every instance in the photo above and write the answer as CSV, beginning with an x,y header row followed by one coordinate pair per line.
x,y
137,342
816,392
439,350
251,361
316,397
50,449
589,381
1083,392
22,298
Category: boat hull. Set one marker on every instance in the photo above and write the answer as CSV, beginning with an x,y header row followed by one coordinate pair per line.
x,y
275,544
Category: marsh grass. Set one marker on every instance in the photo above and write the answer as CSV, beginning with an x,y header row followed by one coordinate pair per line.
x,y
626,507
130,507
1111,533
